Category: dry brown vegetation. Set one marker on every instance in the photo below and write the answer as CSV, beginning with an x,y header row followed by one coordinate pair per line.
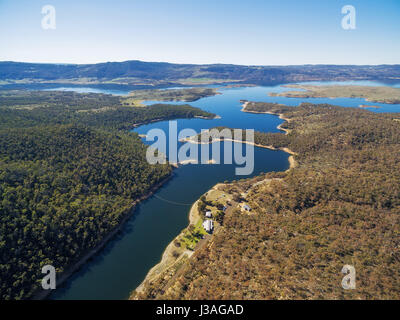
x,y
340,205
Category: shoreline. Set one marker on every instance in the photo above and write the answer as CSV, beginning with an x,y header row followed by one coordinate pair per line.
x,y
43,294
281,116
243,142
308,93
367,106
291,159
331,98
165,263
136,125
167,260
190,161
206,118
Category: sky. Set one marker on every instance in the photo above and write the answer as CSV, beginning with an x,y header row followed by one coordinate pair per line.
x,y
251,32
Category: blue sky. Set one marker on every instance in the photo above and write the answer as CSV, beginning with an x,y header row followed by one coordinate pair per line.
x,y
252,32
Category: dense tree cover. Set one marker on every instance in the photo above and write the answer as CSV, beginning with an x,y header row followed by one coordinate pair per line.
x,y
340,205
266,107
187,94
139,72
63,189
68,177
19,98
25,108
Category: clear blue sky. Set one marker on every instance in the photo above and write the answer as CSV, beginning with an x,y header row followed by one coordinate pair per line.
x,y
252,32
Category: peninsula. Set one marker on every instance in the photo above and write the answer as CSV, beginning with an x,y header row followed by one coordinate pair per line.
x,y
136,97
374,94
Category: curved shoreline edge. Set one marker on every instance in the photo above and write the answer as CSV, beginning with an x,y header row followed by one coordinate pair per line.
x,y
165,262
312,91
291,159
43,294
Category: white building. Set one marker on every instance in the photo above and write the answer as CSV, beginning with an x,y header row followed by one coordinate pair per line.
x,y
208,226
208,214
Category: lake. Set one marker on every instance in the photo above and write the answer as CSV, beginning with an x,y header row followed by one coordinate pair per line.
x,y
124,262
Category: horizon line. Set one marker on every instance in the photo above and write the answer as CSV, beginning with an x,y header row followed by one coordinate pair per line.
x,y
205,64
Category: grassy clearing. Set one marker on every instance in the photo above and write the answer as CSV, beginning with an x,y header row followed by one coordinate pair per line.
x,y
193,235
132,102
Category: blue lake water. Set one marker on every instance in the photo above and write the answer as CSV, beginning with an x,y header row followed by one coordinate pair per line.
x,y
122,265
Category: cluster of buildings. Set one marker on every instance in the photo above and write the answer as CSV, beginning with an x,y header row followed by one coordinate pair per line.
x,y
208,224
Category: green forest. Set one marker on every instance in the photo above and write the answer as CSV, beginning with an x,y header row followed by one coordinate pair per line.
x,y
21,109
187,94
70,172
340,205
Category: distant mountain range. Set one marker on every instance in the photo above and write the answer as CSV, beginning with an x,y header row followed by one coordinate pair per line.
x,y
160,73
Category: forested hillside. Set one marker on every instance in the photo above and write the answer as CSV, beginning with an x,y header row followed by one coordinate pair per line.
x,y
68,177
158,73
30,108
340,205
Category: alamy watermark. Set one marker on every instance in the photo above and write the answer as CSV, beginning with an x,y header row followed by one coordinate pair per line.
x,y
49,18
349,280
49,280
234,141
349,20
